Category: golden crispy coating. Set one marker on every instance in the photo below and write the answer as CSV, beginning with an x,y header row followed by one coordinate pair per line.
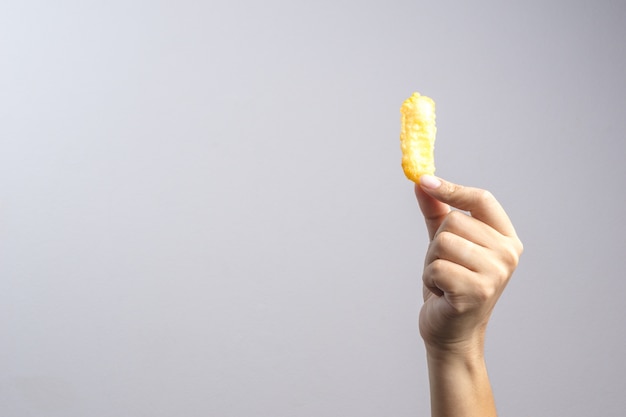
x,y
417,136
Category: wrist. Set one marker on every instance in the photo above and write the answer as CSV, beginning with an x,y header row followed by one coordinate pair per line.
x,y
469,348
467,362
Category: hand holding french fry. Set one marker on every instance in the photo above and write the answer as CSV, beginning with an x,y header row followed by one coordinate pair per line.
x,y
469,262
472,254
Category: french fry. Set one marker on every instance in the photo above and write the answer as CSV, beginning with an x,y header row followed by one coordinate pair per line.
x,y
417,136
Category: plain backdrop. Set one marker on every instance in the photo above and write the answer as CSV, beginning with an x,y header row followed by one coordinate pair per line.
x,y
202,210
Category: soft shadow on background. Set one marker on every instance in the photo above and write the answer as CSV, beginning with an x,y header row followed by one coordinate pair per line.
x,y
202,211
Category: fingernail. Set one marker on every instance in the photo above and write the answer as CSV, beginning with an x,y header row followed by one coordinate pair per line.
x,y
428,181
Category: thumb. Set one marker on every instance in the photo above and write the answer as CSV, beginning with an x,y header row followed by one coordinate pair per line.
x,y
481,204
434,211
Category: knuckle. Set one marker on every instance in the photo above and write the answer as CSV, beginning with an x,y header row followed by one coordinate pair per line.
x,y
510,257
485,292
502,274
453,191
519,246
454,218
451,188
437,268
485,197
511,253
444,238
442,243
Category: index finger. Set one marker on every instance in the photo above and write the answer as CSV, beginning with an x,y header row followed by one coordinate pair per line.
x,y
481,204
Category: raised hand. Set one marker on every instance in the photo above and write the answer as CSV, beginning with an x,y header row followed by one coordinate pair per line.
x,y
470,259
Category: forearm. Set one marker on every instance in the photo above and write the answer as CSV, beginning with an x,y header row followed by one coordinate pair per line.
x,y
459,385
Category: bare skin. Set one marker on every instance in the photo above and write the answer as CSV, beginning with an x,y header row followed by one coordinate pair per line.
x,y
470,259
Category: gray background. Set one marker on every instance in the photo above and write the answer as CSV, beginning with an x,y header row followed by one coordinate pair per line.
x,y
202,211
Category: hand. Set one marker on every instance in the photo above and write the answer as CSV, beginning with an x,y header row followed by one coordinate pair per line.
x,y
469,262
